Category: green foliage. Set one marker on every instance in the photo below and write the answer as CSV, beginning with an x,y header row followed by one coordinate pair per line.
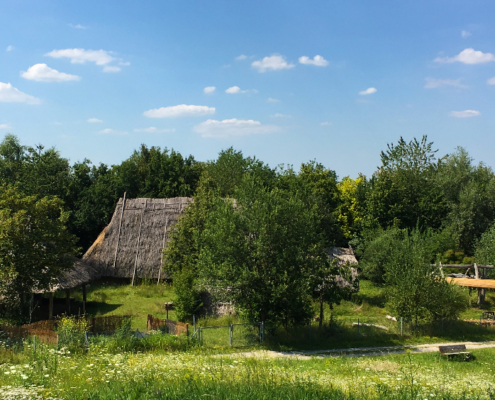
x,y
260,250
35,246
416,289
72,334
404,192
187,301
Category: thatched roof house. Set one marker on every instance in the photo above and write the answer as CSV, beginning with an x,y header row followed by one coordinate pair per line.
x,y
131,244
345,256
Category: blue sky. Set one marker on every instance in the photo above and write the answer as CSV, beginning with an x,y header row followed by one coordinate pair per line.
x,y
293,81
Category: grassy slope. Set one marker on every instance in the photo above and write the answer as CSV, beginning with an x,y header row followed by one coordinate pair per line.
x,y
369,306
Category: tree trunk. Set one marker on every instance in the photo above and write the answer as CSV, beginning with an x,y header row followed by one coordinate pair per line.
x,y
321,312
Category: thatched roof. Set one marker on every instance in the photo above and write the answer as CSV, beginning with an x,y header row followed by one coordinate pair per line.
x,y
80,274
135,237
345,256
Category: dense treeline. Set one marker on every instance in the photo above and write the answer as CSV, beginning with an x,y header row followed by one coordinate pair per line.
x,y
250,224
90,192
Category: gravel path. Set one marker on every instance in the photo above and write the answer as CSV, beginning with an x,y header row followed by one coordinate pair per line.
x,y
358,351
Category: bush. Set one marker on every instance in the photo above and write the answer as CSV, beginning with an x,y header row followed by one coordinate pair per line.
x,y
72,334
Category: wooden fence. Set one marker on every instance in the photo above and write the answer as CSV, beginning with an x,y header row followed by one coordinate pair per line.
x,y
173,327
106,324
21,332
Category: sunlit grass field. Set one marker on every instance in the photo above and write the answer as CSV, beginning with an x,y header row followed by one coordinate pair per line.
x,y
198,374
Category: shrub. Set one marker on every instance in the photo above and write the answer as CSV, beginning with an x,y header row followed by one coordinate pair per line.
x,y
72,334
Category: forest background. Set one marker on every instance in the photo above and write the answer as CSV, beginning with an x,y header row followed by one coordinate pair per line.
x,y
416,202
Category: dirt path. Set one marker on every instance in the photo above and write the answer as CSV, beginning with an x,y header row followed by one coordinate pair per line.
x,y
357,351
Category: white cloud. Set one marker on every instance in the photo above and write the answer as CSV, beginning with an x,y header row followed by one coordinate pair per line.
x,y
94,120
111,68
241,57
110,131
235,89
152,129
43,73
325,123
9,48
370,90
278,115
432,83
233,128
78,26
319,61
465,114
467,56
181,110
272,100
275,62
209,89
4,126
491,81
465,34
9,94
82,56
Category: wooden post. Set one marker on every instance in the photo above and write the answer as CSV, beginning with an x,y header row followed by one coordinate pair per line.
x,y
476,271
50,305
163,246
120,227
138,242
84,298
166,308
67,301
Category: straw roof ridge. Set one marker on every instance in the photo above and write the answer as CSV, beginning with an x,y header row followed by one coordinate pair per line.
x,y
135,237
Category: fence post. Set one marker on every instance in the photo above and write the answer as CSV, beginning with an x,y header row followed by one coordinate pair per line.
x,y
262,331
358,328
34,344
194,322
231,334
401,325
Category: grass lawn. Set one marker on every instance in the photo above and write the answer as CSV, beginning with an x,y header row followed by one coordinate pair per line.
x,y
368,306
196,374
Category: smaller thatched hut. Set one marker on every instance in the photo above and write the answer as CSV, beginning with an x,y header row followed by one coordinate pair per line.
x,y
345,256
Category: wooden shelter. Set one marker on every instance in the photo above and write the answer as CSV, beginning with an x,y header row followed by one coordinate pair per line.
x,y
131,245
478,281
79,275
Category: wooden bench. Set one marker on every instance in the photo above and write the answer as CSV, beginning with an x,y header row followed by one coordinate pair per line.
x,y
454,350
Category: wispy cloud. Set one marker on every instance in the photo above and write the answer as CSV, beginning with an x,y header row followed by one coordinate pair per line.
x,y
465,114
181,110
241,57
110,131
43,73
272,100
10,94
78,26
5,126
432,83
278,115
467,56
370,90
233,128
94,120
326,123
275,62
9,48
152,129
82,56
465,34
318,61
237,89
209,89
491,81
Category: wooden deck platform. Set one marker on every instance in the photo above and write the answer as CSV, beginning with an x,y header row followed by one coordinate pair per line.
x,y
474,283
